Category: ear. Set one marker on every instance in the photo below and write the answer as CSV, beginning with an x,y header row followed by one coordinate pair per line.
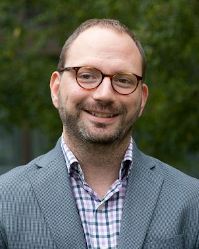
x,y
54,87
145,93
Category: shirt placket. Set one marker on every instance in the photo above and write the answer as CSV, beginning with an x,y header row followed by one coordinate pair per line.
x,y
100,229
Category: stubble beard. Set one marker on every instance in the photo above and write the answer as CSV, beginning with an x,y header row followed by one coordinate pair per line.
x,y
75,127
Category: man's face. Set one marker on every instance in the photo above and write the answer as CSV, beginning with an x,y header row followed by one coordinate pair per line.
x,y
100,115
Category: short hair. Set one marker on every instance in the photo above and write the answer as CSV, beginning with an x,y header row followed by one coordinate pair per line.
x,y
109,23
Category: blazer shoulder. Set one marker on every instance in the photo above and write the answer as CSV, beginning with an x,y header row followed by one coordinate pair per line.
x,y
19,173
174,173
175,180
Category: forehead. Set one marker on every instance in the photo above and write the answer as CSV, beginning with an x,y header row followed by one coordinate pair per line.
x,y
104,46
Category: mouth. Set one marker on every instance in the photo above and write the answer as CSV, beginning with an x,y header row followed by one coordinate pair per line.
x,y
102,115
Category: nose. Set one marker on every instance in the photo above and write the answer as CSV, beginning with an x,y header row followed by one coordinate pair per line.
x,y
104,92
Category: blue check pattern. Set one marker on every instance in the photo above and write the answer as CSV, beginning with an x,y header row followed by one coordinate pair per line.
x,y
100,218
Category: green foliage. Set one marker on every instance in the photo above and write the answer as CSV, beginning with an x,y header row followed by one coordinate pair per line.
x,y
33,32
173,71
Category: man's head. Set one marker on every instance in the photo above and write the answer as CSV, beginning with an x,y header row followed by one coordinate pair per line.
x,y
103,114
105,23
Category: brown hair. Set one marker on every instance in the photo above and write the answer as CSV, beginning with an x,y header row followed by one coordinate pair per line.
x,y
109,23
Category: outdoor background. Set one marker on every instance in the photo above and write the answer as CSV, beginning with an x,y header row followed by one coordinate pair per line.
x,y
31,36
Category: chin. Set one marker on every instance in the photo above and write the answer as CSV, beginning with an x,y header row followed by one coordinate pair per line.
x,y
100,138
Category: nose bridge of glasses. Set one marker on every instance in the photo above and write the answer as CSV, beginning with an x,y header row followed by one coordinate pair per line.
x,y
105,88
110,76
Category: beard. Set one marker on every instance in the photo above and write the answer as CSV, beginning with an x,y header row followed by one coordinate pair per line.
x,y
76,128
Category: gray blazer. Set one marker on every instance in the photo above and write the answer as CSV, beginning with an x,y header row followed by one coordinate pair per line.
x,y
38,210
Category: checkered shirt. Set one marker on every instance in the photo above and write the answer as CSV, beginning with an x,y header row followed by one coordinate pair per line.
x,y
100,218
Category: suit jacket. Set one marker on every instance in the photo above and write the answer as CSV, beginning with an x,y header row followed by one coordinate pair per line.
x,y
38,210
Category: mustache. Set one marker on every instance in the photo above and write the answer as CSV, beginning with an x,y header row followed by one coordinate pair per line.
x,y
101,106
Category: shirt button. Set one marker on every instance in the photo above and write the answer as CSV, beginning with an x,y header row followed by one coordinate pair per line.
x,y
80,171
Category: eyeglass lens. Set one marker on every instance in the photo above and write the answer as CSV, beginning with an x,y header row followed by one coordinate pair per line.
x,y
90,78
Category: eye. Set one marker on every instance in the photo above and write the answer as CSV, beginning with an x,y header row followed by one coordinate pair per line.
x,y
85,76
124,81
88,75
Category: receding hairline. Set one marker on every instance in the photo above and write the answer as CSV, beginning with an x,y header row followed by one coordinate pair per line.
x,y
111,24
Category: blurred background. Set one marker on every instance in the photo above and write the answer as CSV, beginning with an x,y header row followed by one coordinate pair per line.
x,y
32,34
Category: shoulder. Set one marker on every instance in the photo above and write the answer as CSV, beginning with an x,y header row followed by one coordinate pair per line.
x,y
18,176
176,184
175,176
168,172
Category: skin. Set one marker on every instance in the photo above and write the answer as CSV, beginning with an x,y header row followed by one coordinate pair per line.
x,y
97,124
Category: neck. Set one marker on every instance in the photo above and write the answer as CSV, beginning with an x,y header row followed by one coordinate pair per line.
x,y
99,162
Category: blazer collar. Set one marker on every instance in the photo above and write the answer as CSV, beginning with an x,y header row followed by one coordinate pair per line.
x,y
51,185
143,190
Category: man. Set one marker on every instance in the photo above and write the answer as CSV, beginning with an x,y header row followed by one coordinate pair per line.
x,y
95,189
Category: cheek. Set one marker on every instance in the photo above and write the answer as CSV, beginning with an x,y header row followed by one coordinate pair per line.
x,y
71,97
133,106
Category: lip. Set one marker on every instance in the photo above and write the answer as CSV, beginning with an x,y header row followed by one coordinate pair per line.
x,y
102,114
101,117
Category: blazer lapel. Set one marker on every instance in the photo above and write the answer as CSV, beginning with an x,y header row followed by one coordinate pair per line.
x,y
53,192
144,186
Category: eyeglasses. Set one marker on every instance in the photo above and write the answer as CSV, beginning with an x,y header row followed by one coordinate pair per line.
x,y
90,78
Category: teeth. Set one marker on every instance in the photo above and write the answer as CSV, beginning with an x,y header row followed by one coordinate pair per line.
x,y
102,115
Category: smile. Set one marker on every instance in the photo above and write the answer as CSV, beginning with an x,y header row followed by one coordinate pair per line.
x,y
102,115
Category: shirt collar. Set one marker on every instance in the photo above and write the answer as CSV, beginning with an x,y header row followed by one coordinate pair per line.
x,y
74,167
